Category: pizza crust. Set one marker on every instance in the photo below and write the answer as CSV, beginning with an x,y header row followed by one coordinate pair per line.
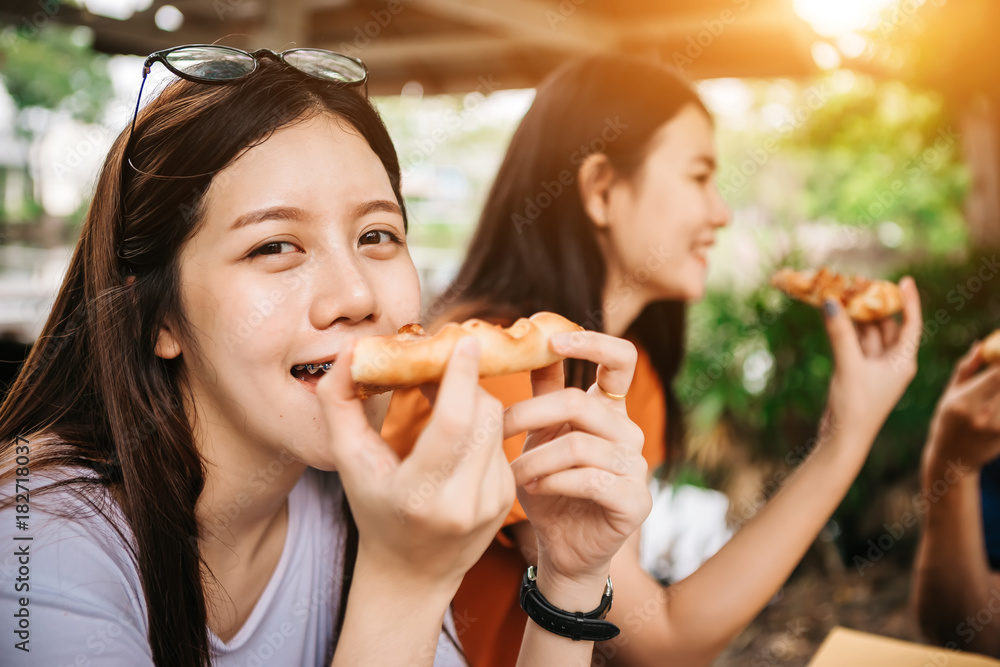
x,y
411,357
865,300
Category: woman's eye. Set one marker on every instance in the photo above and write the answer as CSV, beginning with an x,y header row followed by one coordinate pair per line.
x,y
702,178
378,236
273,248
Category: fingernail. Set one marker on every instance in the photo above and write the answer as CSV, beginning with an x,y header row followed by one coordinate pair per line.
x,y
531,486
468,346
830,307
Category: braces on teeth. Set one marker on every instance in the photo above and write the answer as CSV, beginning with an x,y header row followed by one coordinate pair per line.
x,y
313,369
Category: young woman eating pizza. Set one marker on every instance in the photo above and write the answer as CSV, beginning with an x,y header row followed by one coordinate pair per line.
x,y
187,471
604,210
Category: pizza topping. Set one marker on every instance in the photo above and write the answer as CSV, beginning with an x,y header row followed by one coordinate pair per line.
x,y
865,300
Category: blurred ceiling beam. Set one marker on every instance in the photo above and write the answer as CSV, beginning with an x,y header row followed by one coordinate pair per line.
x,y
527,21
284,26
447,45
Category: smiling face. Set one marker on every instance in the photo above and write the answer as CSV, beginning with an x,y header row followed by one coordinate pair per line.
x,y
662,222
301,248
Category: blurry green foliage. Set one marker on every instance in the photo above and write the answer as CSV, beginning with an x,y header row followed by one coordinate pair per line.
x,y
55,69
47,72
850,150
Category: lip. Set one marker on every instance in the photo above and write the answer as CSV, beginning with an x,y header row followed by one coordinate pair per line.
x,y
700,252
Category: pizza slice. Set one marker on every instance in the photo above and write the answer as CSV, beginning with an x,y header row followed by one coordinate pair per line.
x,y
411,357
864,299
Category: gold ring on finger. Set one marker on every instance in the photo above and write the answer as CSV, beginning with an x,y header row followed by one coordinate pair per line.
x,y
613,397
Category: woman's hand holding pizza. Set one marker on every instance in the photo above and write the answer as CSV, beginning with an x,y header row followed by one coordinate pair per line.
x,y
874,362
965,430
582,477
426,519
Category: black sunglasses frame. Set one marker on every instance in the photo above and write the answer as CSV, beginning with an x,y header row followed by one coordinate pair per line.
x,y
161,57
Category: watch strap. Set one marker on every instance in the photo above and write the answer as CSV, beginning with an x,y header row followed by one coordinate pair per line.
x,y
578,626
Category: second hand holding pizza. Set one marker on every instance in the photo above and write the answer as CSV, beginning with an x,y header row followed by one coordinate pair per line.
x,y
874,362
581,478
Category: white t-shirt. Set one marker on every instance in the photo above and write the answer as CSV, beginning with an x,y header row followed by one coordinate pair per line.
x,y
86,606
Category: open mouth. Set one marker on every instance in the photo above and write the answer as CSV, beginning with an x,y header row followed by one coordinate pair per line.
x,y
311,373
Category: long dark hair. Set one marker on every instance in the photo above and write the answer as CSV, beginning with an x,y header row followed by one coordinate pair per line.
x,y
535,247
92,393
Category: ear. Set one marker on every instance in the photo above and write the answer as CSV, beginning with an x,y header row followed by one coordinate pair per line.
x,y
167,344
595,178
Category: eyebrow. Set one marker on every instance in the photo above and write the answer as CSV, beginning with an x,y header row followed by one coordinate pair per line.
x,y
376,206
707,159
271,213
293,213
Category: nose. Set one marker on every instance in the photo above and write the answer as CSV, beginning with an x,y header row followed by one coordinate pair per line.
x,y
720,213
342,292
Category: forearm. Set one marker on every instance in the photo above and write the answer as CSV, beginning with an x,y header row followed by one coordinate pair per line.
x,y
953,583
389,621
701,615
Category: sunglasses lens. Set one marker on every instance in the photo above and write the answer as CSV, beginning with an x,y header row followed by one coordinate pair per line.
x,y
326,65
211,63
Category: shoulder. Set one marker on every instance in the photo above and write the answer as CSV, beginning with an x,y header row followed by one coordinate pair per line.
x,y
72,568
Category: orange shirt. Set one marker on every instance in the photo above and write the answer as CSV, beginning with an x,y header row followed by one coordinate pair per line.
x,y
488,615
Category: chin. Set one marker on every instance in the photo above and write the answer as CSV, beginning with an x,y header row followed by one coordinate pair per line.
x,y
696,293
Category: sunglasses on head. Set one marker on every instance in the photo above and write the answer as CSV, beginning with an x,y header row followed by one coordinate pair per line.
x,y
208,63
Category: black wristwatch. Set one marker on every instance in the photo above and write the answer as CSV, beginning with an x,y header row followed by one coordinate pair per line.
x,y
578,626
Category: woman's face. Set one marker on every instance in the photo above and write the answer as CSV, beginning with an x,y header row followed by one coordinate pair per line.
x,y
301,249
662,221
